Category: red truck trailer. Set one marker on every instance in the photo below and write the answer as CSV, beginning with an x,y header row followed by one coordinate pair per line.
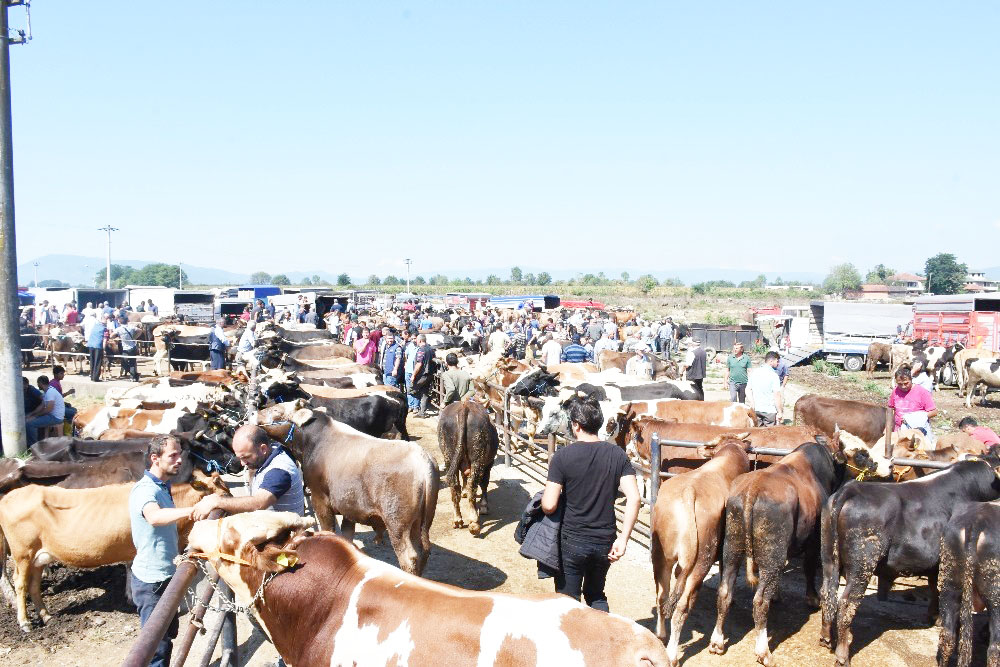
x,y
970,319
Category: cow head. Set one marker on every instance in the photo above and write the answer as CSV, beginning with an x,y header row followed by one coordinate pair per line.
x,y
718,444
295,411
244,546
555,417
862,460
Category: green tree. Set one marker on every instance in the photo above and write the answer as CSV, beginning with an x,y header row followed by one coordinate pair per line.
x,y
841,278
543,278
624,276
515,275
672,282
120,273
260,278
646,283
879,275
492,279
319,281
373,280
52,283
280,279
343,280
306,280
164,275
391,280
944,274
530,279
419,280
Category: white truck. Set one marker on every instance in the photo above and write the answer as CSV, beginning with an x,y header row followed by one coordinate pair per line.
x,y
846,328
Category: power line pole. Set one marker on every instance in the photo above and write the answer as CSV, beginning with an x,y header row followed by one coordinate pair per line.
x,y
35,264
108,229
408,262
180,276
11,399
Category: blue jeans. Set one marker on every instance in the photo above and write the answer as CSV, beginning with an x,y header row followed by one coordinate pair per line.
x,y
390,381
145,597
218,358
35,423
412,402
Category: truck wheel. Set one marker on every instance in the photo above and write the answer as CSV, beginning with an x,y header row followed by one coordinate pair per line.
x,y
853,363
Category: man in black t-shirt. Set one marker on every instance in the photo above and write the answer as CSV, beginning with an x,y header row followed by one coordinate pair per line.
x,y
588,474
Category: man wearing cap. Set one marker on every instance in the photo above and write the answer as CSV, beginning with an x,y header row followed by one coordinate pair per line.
x,y
640,365
695,364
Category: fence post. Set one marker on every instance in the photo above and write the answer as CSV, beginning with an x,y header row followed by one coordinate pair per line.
x,y
156,625
552,446
654,472
890,422
505,421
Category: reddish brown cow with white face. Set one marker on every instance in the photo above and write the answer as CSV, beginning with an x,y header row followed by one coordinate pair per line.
x,y
337,606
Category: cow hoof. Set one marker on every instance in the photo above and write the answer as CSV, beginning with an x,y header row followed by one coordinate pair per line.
x,y
474,528
767,660
459,523
25,627
716,649
826,643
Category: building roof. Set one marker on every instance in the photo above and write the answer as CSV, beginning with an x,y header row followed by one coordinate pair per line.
x,y
875,288
907,277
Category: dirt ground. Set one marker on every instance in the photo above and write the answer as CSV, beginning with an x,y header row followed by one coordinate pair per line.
x,y
93,624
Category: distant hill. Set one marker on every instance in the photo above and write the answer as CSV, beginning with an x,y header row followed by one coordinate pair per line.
x,y
993,273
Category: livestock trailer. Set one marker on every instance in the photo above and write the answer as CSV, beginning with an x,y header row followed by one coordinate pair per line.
x,y
194,305
163,297
723,337
845,329
970,319
517,302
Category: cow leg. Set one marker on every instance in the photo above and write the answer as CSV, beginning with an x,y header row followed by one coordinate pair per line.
x,y
993,652
35,588
478,469
687,585
406,545
325,514
347,529
769,555
884,586
950,573
662,571
22,579
933,606
732,553
810,565
831,580
859,566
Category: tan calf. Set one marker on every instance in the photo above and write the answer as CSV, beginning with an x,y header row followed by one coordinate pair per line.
x,y
687,529
77,527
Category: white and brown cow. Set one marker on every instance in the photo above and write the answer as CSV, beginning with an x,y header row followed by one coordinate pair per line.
x,y
984,372
336,606
95,421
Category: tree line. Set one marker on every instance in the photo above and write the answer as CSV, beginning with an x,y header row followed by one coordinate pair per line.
x,y
943,272
164,275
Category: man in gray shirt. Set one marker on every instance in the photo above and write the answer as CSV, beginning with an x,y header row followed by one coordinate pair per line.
x,y
154,532
457,383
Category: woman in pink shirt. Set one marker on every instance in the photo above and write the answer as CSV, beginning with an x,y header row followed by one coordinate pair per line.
x,y
364,348
907,398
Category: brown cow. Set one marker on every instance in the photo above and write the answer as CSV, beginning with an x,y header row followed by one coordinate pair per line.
x,y
687,530
95,421
469,443
42,525
386,484
341,607
710,413
609,359
771,515
865,420
61,343
878,353
684,459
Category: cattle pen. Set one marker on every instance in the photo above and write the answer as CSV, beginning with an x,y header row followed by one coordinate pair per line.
x,y
526,454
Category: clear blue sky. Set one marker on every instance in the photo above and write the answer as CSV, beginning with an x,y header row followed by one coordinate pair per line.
x,y
348,135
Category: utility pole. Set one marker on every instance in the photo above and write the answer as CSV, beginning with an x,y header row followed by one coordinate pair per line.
x,y
11,398
35,264
108,229
408,262
180,276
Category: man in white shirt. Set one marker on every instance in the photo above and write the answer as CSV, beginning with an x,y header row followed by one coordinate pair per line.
x,y
640,365
764,391
605,343
50,412
551,351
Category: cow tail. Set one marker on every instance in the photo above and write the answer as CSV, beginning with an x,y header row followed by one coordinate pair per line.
x,y
830,601
430,493
967,569
451,474
748,503
687,497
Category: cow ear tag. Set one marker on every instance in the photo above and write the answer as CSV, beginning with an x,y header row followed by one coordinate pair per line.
x,y
286,560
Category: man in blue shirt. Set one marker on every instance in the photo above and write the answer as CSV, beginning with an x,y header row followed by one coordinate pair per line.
x,y
129,364
276,481
95,346
574,353
217,344
392,360
154,533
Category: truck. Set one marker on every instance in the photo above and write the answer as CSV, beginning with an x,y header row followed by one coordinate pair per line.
x,y
970,319
843,330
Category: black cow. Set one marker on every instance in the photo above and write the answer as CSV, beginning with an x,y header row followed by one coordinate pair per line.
x,y
188,348
469,442
380,414
970,576
535,382
772,515
649,391
891,529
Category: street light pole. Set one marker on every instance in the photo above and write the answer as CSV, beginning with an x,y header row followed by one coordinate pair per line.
x,y
408,262
180,276
108,229
35,264
11,398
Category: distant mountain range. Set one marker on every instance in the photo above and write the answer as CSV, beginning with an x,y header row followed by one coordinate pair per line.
x,y
79,270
